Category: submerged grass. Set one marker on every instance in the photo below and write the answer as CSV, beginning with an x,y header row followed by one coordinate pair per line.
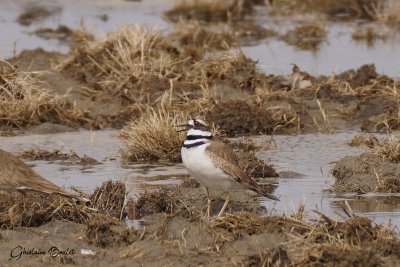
x,y
307,37
210,10
335,9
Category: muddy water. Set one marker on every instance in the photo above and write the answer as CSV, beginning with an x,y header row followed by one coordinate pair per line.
x,y
304,161
337,54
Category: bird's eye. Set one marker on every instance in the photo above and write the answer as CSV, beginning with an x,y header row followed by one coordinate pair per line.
x,y
196,123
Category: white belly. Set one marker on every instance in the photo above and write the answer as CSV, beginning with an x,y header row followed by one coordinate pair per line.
x,y
201,167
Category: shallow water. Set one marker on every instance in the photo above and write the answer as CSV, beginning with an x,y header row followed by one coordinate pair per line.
x,y
310,157
103,146
72,13
337,54
313,156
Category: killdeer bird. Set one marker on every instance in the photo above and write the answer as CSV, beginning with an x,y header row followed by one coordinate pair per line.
x,y
15,175
214,164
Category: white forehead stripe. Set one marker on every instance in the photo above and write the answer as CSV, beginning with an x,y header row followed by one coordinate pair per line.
x,y
191,122
201,122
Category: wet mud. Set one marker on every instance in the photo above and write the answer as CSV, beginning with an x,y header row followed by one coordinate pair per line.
x,y
174,224
366,173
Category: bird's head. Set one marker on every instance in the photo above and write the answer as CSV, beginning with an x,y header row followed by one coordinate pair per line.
x,y
196,124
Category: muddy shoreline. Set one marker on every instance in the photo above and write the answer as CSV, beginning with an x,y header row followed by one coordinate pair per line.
x,y
174,225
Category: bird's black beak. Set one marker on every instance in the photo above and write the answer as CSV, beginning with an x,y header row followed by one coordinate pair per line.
x,y
182,130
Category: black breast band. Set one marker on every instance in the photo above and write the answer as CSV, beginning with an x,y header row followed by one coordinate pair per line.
x,y
194,144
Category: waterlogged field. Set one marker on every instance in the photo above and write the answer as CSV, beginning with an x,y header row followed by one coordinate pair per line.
x,y
305,92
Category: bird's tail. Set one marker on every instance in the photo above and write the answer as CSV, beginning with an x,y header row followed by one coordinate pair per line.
x,y
24,189
263,193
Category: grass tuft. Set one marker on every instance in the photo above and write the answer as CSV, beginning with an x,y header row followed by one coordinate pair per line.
x,y
23,102
153,136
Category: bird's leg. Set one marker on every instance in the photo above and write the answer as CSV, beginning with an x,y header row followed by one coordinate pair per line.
x,y
208,204
224,206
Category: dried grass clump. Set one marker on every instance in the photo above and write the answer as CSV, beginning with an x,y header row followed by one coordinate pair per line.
x,y
153,136
42,154
195,35
103,232
387,12
234,69
250,163
368,140
210,10
23,102
109,198
307,37
121,62
365,82
389,149
34,209
335,9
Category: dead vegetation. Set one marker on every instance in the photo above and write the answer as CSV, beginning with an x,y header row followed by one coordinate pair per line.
x,y
337,10
386,148
368,140
365,173
194,34
307,37
153,136
124,61
42,154
137,67
250,163
287,240
35,13
174,224
387,13
389,148
210,11
62,33
23,102
369,34
376,170
33,210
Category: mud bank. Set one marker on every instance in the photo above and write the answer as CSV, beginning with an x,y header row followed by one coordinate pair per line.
x,y
366,173
88,88
174,232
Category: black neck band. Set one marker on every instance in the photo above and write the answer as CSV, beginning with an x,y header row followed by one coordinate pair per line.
x,y
195,137
194,144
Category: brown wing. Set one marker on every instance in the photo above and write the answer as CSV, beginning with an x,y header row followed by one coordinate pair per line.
x,y
224,157
227,161
14,174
